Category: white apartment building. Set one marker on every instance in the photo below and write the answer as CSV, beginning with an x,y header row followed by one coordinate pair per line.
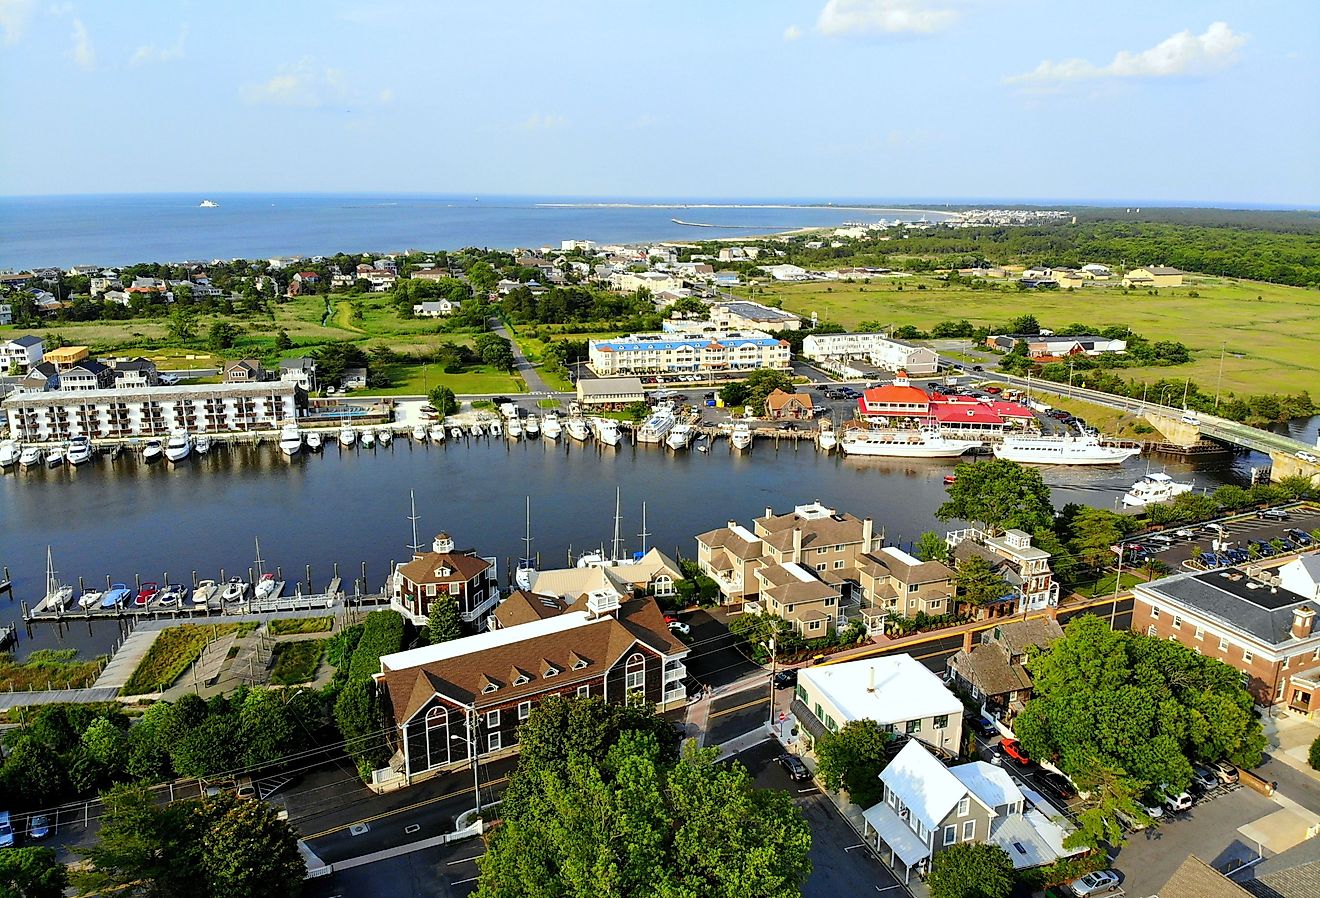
x,y
875,349
21,352
729,351
154,411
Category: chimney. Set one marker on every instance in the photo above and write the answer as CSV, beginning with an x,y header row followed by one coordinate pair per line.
x,y
1303,619
797,543
868,530
769,512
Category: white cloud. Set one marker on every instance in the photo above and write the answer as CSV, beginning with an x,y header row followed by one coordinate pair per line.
x,y
1182,54
83,52
302,85
149,53
792,33
14,16
539,122
847,17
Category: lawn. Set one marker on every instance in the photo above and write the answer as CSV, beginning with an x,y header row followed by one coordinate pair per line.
x,y
296,662
48,669
1270,331
173,651
418,380
1105,585
1109,421
283,626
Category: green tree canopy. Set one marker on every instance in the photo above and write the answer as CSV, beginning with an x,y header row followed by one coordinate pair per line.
x,y
221,334
1094,530
999,494
853,759
443,401
930,546
971,870
442,621
978,583
31,873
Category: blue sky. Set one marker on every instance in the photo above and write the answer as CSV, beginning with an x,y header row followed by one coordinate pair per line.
x,y
1175,100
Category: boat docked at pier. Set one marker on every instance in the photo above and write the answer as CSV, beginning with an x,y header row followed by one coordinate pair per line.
x,y
1066,450
513,428
57,594
607,431
741,436
30,457
178,446
680,437
437,433
419,433
152,451
368,439
532,427
385,435
290,440
347,437
314,442
550,427
495,428
54,456
577,428
80,451
9,453
926,442
827,439
655,428
202,444
1154,488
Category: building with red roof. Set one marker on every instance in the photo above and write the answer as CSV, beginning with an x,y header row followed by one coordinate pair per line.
x,y
897,400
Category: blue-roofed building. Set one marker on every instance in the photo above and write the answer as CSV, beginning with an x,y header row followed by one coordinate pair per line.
x,y
666,353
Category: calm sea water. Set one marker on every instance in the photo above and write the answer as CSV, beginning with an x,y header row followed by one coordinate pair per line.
x,y
126,518
122,229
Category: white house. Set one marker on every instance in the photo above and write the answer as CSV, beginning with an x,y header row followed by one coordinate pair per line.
x,y
21,352
786,272
723,352
876,349
6,313
438,308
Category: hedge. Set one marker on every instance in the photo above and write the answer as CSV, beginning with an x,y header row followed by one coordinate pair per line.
x,y
382,634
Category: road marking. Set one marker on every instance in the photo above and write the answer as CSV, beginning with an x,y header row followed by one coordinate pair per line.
x,y
742,707
411,807
463,882
409,830
464,860
805,791
858,845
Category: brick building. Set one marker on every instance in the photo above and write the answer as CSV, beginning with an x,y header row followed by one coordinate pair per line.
x,y
469,578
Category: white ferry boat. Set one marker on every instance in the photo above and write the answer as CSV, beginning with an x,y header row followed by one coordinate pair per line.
x,y
1153,488
680,437
1045,450
927,442
655,428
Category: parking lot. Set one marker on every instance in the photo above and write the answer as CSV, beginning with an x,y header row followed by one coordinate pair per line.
x,y
1240,532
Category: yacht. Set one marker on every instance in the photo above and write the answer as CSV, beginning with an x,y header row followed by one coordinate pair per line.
x,y
347,437
741,436
550,427
532,426
30,457
419,433
90,598
314,442
54,456
204,591
234,590
178,447
607,431
1153,488
827,439
9,452
495,427
927,442
655,428
437,433
290,440
80,451
57,594
152,451
202,444
268,587
385,436
577,428
116,595
680,437
513,428
456,432
368,439
1045,450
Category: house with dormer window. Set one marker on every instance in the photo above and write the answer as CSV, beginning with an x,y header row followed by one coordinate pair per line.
x,y
467,577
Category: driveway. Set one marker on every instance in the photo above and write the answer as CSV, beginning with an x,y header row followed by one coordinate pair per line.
x,y
521,366
715,659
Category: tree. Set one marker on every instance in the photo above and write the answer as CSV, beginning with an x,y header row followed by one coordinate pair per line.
x,y
1026,325
31,873
221,335
978,583
361,720
1094,530
1313,757
282,341
853,759
442,622
930,546
495,351
971,870
734,394
443,401
247,850
183,325
688,305
999,494
482,277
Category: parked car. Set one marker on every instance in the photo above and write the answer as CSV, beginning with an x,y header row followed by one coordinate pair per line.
x,y
6,831
1225,772
785,678
1273,514
793,766
1184,534
1203,778
1300,536
677,626
1096,883
994,390
1176,804
39,827
1056,785
982,726
1013,749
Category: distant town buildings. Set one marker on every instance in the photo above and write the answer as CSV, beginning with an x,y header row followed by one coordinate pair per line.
x,y
1041,346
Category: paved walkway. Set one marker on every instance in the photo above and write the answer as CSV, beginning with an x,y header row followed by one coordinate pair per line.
x,y
10,700
127,657
524,368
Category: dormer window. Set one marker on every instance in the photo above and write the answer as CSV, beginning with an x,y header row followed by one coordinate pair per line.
x,y
443,571
551,672
489,687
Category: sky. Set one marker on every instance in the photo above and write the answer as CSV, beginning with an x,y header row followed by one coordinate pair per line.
x,y
1169,101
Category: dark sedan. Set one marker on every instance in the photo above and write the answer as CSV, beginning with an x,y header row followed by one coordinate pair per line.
x,y
793,766
1055,785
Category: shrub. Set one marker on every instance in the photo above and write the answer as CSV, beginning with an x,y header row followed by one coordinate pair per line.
x,y
382,634
1314,758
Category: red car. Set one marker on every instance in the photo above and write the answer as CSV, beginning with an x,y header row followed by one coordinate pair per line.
x,y
1015,751
146,593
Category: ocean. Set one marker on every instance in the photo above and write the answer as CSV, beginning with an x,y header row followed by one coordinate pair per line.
x,y
123,229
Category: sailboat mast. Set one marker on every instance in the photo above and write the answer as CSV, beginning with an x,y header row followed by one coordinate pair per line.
x,y
527,538
260,563
618,540
645,533
412,500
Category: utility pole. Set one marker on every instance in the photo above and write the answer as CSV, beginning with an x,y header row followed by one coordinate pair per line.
x,y
476,765
771,700
1223,348
1118,580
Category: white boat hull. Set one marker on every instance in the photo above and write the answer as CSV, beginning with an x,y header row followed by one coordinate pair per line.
x,y
1088,455
578,430
877,449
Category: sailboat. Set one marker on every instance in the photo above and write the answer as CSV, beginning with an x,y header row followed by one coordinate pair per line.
x,y
57,594
527,564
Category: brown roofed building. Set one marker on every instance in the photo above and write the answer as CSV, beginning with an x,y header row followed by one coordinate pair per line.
x,y
781,406
243,371
1197,879
523,607
466,576
799,596
894,582
995,671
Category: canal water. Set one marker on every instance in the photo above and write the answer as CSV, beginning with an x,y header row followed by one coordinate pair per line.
x,y
127,518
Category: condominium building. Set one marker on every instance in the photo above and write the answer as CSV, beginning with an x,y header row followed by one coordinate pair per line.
x,y
1025,568
875,349
725,352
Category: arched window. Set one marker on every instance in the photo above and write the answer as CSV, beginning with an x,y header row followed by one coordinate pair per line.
x,y
437,737
635,673
664,585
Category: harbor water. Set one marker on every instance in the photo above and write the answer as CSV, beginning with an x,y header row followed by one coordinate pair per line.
x,y
124,517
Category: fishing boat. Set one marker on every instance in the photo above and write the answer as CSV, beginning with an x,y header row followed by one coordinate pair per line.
x,y
290,440
926,442
419,433
116,595
54,456
204,591
152,451
437,433
475,429
680,437
495,428
513,429
550,427
30,457
1154,488
178,447
607,431
9,453
234,591
314,442
532,427
526,569
347,437
57,594
386,436
655,428
202,444
577,428
741,436
80,451
90,598
368,439
827,439
456,432
1052,450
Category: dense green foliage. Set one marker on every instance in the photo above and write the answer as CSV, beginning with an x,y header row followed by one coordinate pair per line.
x,y
752,390
359,708
596,810
930,546
442,620
382,634
971,870
563,305
853,759
1313,756
31,873
297,662
443,401
977,582
1000,495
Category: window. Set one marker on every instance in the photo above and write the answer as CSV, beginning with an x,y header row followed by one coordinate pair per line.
x,y
551,672
1177,622
1315,656
489,687
820,712
969,830
912,726
584,691
1155,612
493,718
522,678
493,742
455,589
950,834
942,721
838,548
822,566
635,672
1223,644
936,604
1247,656
1285,663
964,806
822,550
1200,633
913,587
838,565
815,625
430,589
524,710
1150,631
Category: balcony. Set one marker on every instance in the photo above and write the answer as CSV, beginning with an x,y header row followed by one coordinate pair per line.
x,y
674,672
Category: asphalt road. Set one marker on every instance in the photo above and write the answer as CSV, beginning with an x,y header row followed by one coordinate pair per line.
x,y
446,871
714,659
737,713
840,865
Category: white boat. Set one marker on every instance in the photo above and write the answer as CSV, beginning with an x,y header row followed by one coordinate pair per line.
x,y
741,436
1153,488
290,440
171,595
347,437
680,437
495,428
386,437
208,204
550,427
202,444
827,439
368,439
314,441
532,427
234,590
57,594
152,451
9,453
268,587
30,457
607,431
178,447
475,430
655,428
90,598
204,591
513,429
577,428
456,432
1046,450
927,442
80,451
54,456
419,433
437,433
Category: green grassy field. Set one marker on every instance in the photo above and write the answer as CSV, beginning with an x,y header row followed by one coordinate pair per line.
x,y
417,380
48,669
1270,331
296,662
286,625
174,649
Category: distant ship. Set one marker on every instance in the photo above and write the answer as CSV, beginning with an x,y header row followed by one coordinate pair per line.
x,y
208,204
